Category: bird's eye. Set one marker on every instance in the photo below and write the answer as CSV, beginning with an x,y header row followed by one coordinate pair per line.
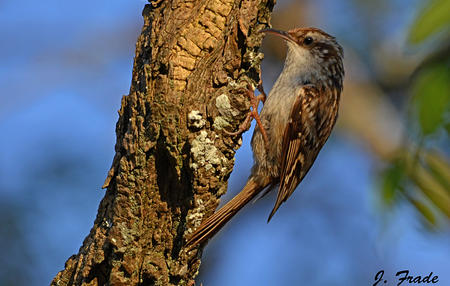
x,y
308,41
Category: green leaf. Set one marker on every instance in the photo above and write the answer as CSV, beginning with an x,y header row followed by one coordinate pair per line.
x,y
431,20
426,212
391,179
431,92
440,168
431,188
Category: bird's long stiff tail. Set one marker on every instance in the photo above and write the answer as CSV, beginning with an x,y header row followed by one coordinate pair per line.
x,y
214,223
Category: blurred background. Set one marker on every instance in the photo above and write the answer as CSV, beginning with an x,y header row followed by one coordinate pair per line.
x,y
377,198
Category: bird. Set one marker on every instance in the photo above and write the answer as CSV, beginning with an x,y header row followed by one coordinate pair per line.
x,y
295,121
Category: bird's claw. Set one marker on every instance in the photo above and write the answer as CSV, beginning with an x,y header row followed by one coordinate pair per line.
x,y
253,114
262,92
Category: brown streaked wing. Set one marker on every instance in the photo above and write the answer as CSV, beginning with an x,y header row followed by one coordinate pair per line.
x,y
299,138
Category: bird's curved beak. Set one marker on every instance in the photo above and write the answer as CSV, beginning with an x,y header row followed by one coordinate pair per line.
x,y
279,33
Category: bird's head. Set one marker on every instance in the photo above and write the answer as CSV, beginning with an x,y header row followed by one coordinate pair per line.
x,y
313,54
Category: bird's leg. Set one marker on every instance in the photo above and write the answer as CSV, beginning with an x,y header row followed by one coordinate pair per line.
x,y
253,113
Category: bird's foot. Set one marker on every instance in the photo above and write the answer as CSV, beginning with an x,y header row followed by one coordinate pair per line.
x,y
253,114
262,95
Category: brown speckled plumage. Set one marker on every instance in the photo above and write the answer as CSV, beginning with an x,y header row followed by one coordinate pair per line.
x,y
298,116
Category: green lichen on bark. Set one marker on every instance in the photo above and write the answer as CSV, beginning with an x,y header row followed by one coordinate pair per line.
x,y
172,160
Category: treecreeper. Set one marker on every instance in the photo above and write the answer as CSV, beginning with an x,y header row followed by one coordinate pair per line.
x,y
294,124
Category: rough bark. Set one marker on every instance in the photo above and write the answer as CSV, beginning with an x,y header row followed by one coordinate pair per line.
x,y
192,65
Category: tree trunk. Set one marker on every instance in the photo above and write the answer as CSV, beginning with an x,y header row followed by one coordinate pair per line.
x,y
193,62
